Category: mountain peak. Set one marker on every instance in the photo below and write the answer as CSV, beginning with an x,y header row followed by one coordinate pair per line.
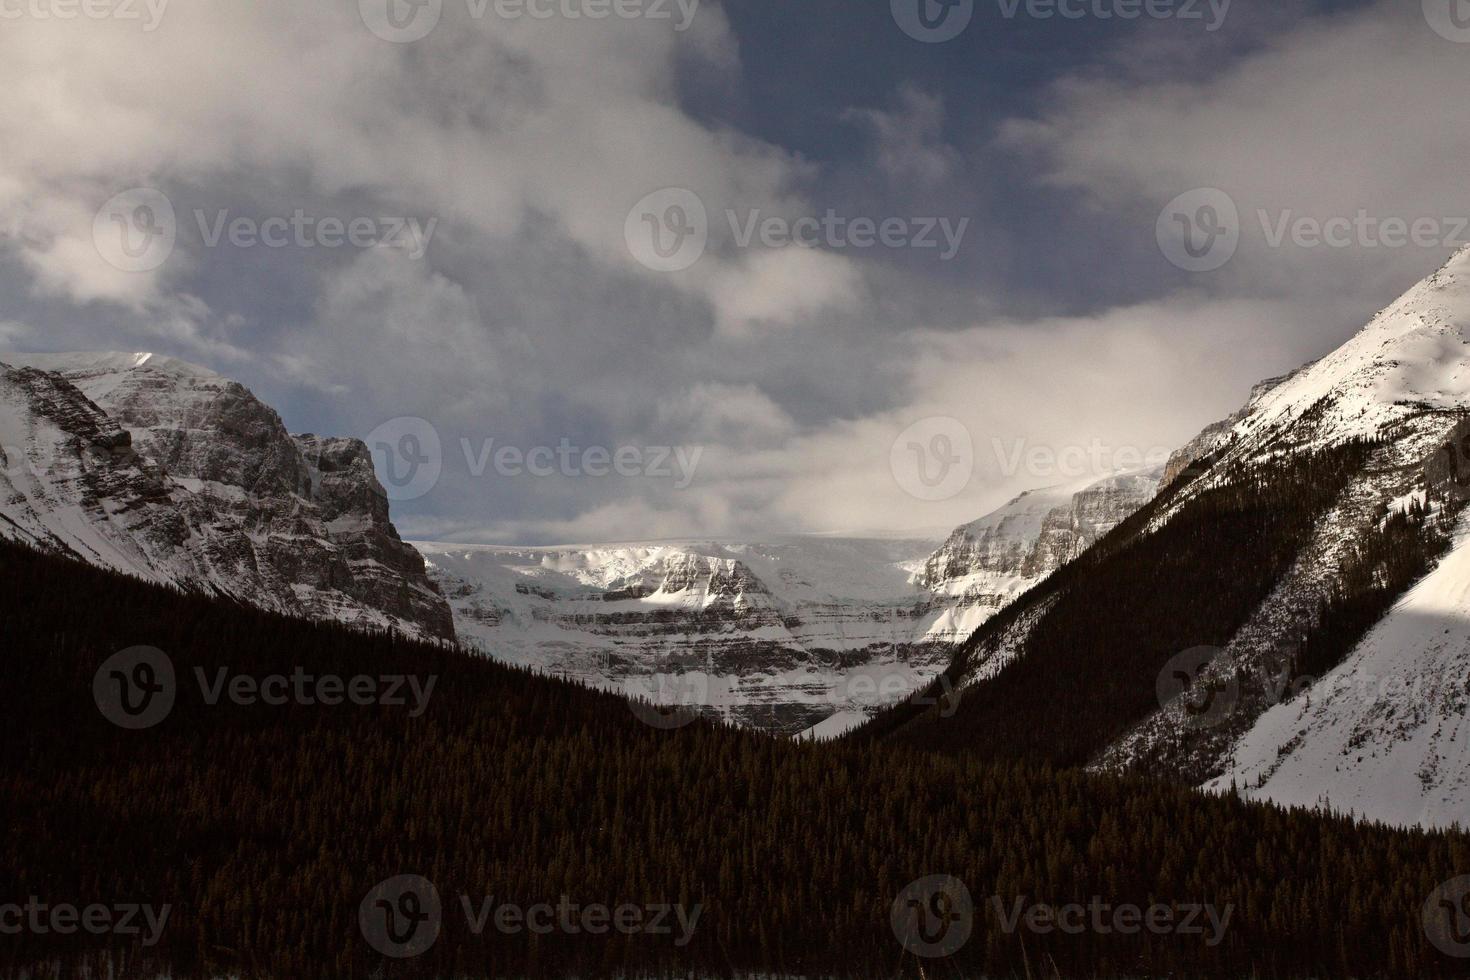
x,y
1410,357
161,468
95,363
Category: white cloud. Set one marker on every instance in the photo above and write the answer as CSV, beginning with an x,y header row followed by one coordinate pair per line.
x,y
782,286
12,333
739,416
482,124
1348,112
909,140
1130,380
794,369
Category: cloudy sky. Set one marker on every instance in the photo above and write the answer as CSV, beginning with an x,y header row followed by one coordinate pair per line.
x,y
860,272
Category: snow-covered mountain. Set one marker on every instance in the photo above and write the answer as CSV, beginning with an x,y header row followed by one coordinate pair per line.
x,y
1383,733
1379,729
994,559
776,635
168,471
783,635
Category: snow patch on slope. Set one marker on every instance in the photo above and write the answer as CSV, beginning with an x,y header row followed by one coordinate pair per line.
x,y
1385,735
1413,356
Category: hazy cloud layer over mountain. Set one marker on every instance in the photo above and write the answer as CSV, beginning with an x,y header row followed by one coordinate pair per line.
x,y
518,147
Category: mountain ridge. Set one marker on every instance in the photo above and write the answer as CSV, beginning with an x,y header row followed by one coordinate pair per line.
x,y
1383,418
811,633
166,470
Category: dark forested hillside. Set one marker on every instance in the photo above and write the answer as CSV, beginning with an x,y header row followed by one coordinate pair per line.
x,y
1087,671
266,827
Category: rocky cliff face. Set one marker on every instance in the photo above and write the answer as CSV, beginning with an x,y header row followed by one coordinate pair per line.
x,y
169,471
996,558
71,480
